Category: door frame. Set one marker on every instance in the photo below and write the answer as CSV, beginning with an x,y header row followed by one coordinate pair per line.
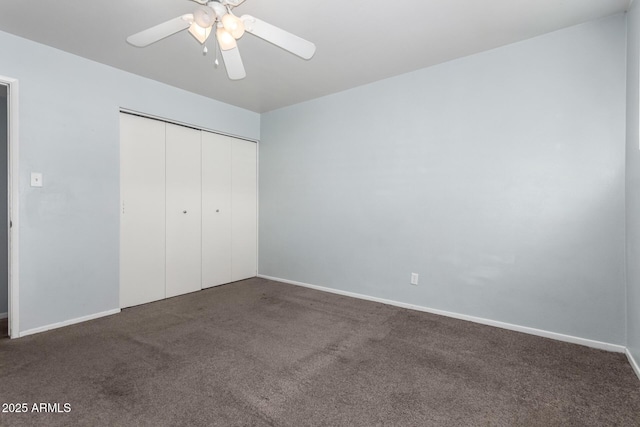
x,y
13,205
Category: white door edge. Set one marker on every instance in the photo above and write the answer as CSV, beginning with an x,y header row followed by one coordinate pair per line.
x,y
13,214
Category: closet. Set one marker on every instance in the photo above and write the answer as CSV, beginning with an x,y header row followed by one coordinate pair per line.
x,y
189,209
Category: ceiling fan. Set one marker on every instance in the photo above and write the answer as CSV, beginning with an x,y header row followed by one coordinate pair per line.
x,y
217,15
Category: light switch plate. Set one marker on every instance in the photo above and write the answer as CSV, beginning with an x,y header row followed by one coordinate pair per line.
x,y
36,179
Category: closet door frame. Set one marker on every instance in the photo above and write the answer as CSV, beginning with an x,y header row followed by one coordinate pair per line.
x,y
201,128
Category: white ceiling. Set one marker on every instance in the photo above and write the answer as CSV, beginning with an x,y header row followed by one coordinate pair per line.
x,y
358,41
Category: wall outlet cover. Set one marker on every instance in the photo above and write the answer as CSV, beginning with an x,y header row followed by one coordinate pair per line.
x,y
414,278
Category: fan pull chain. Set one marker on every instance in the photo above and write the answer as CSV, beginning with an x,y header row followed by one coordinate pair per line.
x,y
205,50
216,62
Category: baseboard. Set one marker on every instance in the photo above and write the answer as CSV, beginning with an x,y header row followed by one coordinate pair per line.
x,y
4,315
525,329
68,322
634,363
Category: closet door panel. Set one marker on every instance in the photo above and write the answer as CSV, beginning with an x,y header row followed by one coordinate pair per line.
x,y
216,209
183,210
244,207
142,210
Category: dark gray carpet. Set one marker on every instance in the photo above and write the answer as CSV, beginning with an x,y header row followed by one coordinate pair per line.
x,y
264,353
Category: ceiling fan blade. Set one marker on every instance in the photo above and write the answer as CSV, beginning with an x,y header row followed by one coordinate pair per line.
x,y
151,35
279,37
233,63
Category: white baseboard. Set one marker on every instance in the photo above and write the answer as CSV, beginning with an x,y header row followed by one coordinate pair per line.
x,y
68,322
4,315
634,363
525,329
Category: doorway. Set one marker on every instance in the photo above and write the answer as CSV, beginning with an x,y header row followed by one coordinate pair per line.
x,y
9,289
4,211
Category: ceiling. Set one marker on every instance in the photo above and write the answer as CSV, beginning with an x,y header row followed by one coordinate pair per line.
x,y
358,41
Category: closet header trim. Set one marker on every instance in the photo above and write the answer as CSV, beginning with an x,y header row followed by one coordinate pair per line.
x,y
187,125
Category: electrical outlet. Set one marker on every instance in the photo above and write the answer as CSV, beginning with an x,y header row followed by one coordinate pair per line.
x,y
414,278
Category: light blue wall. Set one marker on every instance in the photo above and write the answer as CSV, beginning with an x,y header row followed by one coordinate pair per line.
x,y
69,229
499,178
4,266
633,182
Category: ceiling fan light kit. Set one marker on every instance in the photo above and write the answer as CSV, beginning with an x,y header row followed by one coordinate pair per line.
x,y
199,33
233,25
225,39
204,16
229,28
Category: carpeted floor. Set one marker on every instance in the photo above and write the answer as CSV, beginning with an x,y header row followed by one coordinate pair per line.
x,y
258,352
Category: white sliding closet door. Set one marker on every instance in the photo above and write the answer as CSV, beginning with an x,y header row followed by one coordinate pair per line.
x,y
183,209
244,206
142,210
216,209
